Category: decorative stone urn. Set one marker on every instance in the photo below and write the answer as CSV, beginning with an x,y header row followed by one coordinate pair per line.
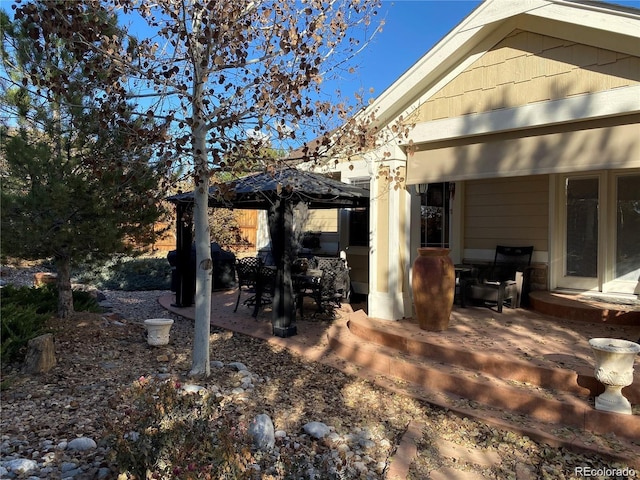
x,y
614,369
433,282
158,330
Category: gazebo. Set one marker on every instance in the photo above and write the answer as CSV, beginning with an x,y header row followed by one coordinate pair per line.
x,y
278,191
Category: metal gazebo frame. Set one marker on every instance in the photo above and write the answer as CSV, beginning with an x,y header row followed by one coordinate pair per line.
x,y
278,191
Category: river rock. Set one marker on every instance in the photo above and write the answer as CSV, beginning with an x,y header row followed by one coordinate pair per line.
x,y
262,432
317,429
82,443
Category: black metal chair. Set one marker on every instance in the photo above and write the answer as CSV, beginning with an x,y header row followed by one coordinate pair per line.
x,y
502,281
342,280
265,288
329,289
247,270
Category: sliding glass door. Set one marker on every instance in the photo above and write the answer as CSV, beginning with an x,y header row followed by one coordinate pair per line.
x,y
626,261
600,228
581,231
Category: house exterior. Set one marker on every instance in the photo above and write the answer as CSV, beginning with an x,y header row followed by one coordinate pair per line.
x,y
525,131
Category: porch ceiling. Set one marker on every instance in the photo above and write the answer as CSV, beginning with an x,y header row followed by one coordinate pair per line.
x,y
541,151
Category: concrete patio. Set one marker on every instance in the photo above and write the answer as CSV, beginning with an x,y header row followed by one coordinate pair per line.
x,y
519,370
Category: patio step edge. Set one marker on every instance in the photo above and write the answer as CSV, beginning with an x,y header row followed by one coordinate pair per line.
x,y
564,306
579,382
491,392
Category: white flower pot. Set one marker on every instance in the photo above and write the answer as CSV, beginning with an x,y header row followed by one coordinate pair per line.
x,y
614,369
158,330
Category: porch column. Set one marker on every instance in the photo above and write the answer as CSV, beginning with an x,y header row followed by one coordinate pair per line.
x,y
389,267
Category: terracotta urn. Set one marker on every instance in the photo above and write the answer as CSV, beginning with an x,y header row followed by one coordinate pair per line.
x,y
158,330
614,369
433,283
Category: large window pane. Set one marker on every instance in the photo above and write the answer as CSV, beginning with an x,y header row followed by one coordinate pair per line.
x,y
359,219
434,216
582,227
628,228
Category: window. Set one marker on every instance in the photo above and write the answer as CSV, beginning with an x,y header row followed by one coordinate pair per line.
x,y
434,215
359,219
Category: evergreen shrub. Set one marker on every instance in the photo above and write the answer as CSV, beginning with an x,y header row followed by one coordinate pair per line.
x,y
130,274
24,312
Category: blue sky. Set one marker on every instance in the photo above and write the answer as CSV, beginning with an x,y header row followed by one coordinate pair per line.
x,y
412,28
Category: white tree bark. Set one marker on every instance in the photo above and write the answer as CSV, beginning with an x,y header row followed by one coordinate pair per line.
x,y
200,361
204,265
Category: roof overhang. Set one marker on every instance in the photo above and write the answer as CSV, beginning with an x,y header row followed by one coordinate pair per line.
x,y
612,143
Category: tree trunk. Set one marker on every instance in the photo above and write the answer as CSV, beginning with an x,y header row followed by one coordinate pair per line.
x,y
202,327
41,354
65,294
204,264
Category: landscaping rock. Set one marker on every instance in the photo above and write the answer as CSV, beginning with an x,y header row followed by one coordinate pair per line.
x,y
82,443
262,432
41,354
20,465
317,429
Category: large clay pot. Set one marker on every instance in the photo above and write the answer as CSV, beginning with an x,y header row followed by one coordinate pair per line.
x,y
433,282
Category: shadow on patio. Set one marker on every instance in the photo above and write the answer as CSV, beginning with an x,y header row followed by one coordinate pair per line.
x,y
519,370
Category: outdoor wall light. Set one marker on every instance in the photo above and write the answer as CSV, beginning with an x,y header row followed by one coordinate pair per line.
x,y
421,188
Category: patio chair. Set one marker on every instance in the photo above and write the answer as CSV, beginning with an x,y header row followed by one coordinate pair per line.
x,y
329,289
323,291
247,269
265,289
502,281
342,280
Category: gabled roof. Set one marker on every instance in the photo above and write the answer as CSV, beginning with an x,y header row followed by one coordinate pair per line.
x,y
605,25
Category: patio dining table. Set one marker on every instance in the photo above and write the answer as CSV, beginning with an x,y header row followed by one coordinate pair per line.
x,y
308,282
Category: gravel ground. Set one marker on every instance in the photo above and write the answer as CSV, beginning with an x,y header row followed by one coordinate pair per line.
x,y
43,416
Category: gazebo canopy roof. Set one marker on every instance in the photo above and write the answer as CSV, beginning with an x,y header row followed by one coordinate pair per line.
x,y
258,191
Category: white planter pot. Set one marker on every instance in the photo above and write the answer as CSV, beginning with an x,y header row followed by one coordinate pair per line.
x,y
158,330
614,369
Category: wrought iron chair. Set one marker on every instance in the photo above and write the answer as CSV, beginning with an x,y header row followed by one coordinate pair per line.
x,y
265,288
502,281
342,280
329,289
248,270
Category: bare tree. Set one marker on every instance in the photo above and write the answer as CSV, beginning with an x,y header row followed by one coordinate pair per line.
x,y
214,70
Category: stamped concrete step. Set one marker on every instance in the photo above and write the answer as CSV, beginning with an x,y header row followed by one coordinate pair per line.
x,y
492,394
576,381
585,308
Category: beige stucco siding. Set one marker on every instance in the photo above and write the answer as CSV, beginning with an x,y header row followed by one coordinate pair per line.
x,y
504,211
526,68
322,221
